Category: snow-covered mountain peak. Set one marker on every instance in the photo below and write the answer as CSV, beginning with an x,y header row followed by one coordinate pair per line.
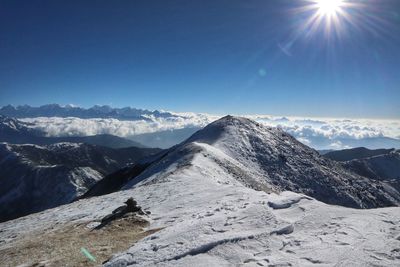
x,y
268,159
232,133
9,122
227,125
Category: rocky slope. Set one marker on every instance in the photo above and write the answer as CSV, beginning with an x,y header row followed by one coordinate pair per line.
x,y
384,168
34,177
355,153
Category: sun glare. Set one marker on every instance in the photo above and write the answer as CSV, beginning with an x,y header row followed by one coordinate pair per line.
x,y
329,7
329,15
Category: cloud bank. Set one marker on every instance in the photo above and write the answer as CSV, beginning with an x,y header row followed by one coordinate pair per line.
x,y
319,133
336,133
72,126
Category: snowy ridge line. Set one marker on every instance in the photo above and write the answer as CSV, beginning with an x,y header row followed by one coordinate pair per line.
x,y
238,170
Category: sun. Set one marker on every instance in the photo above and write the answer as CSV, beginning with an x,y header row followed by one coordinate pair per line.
x,y
333,20
332,16
329,7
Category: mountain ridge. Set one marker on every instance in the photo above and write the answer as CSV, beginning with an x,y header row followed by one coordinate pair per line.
x,y
355,153
97,111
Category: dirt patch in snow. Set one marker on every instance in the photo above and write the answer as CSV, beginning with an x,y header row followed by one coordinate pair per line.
x,y
63,246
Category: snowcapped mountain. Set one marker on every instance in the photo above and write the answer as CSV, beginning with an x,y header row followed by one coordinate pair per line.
x,y
34,178
55,110
18,131
214,202
269,159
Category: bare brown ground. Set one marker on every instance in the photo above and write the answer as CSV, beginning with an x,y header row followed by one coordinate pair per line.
x,y
62,247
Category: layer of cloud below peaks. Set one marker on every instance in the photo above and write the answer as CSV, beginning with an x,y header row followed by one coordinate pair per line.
x,y
317,133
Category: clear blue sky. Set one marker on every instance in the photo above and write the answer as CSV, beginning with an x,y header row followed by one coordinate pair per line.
x,y
219,56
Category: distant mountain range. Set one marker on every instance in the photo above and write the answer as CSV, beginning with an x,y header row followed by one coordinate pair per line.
x,y
55,110
164,129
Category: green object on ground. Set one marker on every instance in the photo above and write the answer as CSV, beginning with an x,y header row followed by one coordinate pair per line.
x,y
87,254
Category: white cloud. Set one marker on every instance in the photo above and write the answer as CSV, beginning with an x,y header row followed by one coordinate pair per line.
x,y
335,133
320,133
71,126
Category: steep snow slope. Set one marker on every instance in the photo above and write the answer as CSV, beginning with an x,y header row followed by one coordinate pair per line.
x,y
34,177
209,218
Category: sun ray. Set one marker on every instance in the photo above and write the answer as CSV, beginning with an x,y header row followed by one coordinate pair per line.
x,y
327,15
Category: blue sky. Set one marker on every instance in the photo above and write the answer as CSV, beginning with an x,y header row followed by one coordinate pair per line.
x,y
215,56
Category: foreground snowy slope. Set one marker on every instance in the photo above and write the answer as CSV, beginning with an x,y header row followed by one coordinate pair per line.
x,y
207,217
213,219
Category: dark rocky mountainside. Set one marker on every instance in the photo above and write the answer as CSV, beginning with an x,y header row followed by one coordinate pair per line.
x,y
34,178
381,167
355,153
